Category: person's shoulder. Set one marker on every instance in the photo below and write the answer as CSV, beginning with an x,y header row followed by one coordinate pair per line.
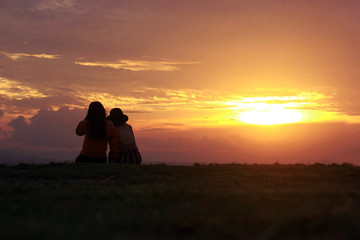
x,y
110,128
109,123
82,122
127,125
81,128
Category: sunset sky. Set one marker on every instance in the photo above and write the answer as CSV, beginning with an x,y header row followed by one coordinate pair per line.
x,y
248,81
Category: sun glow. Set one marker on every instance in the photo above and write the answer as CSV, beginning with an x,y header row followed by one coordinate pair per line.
x,y
271,110
295,107
271,117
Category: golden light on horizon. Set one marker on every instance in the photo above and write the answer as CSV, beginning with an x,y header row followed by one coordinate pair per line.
x,y
271,117
206,108
273,110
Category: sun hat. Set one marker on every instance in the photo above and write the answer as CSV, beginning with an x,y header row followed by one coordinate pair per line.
x,y
117,117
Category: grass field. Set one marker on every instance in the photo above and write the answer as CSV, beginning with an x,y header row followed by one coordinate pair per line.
x,y
233,201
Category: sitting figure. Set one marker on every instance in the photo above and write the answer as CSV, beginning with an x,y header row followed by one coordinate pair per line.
x,y
129,152
98,132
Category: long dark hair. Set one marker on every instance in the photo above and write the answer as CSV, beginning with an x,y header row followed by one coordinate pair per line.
x,y
96,120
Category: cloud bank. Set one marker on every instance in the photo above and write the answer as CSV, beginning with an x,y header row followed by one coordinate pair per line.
x,y
47,129
133,65
18,56
16,90
55,4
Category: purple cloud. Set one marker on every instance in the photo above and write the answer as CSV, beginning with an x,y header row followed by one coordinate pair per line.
x,y
48,128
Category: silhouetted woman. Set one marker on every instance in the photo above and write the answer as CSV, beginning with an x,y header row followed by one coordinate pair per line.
x,y
129,152
98,133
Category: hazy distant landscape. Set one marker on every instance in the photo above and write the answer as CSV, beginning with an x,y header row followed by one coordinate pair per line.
x,y
232,201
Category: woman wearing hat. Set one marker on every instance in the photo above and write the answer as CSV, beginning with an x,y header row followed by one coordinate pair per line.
x,y
129,152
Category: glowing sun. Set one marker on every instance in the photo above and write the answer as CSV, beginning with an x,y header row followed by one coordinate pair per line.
x,y
270,116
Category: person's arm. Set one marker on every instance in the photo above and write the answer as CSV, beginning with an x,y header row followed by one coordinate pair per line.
x,y
114,152
133,135
81,128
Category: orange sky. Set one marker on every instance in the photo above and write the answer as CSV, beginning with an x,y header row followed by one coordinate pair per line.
x,y
190,70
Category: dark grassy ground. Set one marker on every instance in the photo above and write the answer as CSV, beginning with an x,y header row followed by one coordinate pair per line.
x,y
84,201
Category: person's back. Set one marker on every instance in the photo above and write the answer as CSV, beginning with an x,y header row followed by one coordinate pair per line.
x,y
129,152
96,148
98,133
126,135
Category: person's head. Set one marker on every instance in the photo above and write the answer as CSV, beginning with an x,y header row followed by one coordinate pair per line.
x,y
96,118
118,117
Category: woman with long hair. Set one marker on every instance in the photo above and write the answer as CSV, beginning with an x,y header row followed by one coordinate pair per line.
x,y
98,133
129,152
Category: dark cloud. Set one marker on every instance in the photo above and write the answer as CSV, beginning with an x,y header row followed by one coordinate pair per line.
x,y
2,132
48,128
46,102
